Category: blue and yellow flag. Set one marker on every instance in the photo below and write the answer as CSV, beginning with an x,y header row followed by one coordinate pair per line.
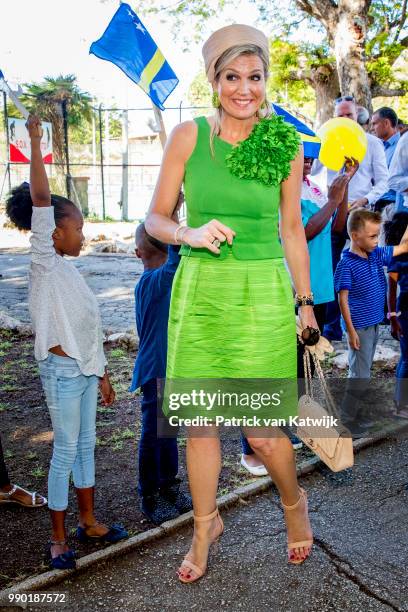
x,y
311,142
128,44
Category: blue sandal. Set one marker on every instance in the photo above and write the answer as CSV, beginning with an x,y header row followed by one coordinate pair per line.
x,y
116,533
63,561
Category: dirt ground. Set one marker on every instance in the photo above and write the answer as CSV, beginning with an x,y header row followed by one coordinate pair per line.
x,y
26,435
27,443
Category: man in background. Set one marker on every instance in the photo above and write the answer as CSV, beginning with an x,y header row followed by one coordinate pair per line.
x,y
384,123
399,174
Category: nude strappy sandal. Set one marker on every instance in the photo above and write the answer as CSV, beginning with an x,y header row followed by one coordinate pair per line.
x,y
303,543
200,571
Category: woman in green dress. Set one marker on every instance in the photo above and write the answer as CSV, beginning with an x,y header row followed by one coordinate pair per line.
x,y
231,313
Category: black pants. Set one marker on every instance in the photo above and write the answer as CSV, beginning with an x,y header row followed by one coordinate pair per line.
x,y
158,456
4,479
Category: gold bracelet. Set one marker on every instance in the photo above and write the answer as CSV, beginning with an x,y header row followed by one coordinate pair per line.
x,y
304,300
179,239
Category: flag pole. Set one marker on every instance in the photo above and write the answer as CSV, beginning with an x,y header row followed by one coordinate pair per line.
x,y
159,120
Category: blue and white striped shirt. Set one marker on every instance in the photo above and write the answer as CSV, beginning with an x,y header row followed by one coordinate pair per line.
x,y
365,280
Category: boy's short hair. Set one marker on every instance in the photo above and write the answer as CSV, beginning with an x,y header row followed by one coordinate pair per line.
x,y
143,239
359,217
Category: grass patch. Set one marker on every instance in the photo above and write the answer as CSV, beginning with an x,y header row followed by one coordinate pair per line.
x,y
105,423
38,472
118,353
127,434
10,389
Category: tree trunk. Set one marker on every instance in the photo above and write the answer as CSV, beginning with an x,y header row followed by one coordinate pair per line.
x,y
347,33
325,82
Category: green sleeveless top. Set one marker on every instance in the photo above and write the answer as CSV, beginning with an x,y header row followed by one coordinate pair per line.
x,y
248,207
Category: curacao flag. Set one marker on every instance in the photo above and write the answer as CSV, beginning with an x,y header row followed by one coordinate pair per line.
x,y
128,44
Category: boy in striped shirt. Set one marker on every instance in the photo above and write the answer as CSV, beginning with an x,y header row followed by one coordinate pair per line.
x,y
361,285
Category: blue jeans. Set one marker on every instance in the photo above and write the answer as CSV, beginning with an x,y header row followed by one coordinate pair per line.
x,y
359,374
401,391
158,456
71,399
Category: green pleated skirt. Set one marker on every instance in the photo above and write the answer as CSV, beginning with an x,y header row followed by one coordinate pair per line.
x,y
232,319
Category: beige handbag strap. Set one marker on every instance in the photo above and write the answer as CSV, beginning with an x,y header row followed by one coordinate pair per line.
x,y
307,355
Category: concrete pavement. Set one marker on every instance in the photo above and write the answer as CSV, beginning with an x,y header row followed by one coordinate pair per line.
x,y
359,561
112,278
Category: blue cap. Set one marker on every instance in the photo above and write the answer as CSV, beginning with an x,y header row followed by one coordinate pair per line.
x,y
311,142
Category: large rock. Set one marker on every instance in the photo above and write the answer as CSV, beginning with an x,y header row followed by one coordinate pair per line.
x,y
11,324
114,246
384,357
127,340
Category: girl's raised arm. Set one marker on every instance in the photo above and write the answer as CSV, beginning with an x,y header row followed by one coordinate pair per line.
x,y
39,188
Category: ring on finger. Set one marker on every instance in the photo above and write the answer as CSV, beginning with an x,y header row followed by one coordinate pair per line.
x,y
216,243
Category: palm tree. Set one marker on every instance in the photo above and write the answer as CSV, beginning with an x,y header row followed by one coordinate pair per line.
x,y
49,99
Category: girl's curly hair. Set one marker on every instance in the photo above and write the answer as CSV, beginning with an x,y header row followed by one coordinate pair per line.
x,y
19,207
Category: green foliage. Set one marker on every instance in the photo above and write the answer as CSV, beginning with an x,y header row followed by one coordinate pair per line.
x,y
283,87
118,353
47,99
38,472
386,39
200,91
266,154
53,91
186,15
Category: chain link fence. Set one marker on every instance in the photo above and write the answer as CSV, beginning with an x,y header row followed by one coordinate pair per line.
x,y
117,157
112,172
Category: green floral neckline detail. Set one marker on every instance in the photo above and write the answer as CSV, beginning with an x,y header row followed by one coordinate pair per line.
x,y
266,154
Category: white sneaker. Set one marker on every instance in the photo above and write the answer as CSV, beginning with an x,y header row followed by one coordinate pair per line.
x,y
255,470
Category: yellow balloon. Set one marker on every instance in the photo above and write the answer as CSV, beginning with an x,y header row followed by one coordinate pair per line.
x,y
341,137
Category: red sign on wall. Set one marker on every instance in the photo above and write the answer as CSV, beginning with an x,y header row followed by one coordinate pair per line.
x,y
20,147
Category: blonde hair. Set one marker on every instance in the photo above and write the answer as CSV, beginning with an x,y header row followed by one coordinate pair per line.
x,y
222,62
359,217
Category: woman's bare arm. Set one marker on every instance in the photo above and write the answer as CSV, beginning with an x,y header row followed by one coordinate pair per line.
x,y
291,229
179,147
294,239
158,222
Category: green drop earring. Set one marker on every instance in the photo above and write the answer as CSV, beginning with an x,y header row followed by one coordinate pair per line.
x,y
215,100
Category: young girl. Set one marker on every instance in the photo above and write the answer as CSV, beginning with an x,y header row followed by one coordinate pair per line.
x,y
398,308
68,347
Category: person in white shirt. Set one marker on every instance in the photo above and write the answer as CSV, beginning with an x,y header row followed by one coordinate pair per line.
x,y
399,173
367,186
371,179
69,350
